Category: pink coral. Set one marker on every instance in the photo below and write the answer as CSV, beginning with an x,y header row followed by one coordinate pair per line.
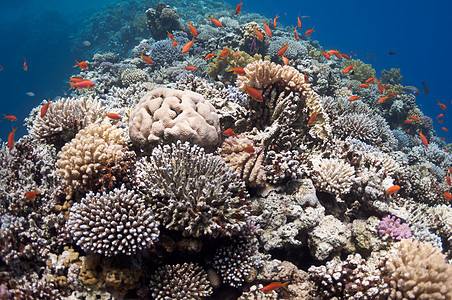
x,y
392,226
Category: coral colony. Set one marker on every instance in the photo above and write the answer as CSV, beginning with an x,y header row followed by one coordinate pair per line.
x,y
198,168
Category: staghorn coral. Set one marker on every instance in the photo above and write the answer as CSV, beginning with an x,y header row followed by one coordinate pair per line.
x,y
168,115
112,223
248,164
392,226
131,76
64,118
182,281
81,160
418,270
192,191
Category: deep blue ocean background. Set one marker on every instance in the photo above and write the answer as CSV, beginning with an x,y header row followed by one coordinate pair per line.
x,y
44,33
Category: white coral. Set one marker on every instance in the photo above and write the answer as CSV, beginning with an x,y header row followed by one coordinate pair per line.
x,y
332,175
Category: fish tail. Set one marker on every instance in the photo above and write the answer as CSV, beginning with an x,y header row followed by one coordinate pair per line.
x,y
72,85
284,285
76,64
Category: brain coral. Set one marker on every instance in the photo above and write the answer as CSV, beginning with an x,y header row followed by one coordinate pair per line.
x,y
112,223
418,270
65,117
80,161
192,191
167,115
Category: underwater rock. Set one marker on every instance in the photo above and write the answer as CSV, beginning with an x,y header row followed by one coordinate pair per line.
x,y
162,19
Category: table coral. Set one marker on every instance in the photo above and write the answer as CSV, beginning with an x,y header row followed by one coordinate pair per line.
x,y
168,115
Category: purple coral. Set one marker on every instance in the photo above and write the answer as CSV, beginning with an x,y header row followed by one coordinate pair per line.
x,y
105,64
394,227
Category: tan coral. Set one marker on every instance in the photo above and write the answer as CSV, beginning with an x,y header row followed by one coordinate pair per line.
x,y
247,164
332,175
167,115
419,270
81,160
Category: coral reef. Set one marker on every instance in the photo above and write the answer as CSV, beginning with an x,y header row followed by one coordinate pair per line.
x,y
392,226
161,19
361,70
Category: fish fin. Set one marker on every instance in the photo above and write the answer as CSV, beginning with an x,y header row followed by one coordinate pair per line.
x,y
284,285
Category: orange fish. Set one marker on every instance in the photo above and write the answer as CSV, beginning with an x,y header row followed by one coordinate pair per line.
x,y
443,106
442,139
229,132
414,118
76,79
312,118
224,53
238,8
84,84
299,22
392,190
209,56
44,109
285,60
274,21
380,87
190,68
259,34
249,149
408,121
447,150
326,55
423,139
215,22
347,69
25,67
295,34
30,196
440,116
309,32
82,65
306,78
253,93
387,87
275,286
237,71
448,196
147,60
236,54
350,86
283,50
370,80
174,44
364,85
10,118
11,138
187,46
267,30
392,95
113,116
448,179
192,29
445,129
171,36
345,56
332,51
441,122
353,98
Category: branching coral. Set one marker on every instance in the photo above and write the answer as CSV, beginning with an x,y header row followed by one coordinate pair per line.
x,y
393,227
192,191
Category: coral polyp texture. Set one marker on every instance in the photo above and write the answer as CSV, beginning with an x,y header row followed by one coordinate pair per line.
x,y
81,160
193,192
169,115
394,228
418,270
112,223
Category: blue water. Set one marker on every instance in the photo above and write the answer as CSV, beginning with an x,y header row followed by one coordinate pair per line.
x,y
43,32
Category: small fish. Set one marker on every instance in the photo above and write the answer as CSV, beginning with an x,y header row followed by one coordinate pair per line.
x,y
86,43
442,105
253,93
439,116
285,60
299,21
364,85
283,50
238,8
113,116
10,118
423,139
191,68
312,118
332,51
448,196
253,45
30,196
371,80
425,87
209,56
345,56
215,22
224,53
274,21
350,86
309,32
236,54
408,121
259,35
192,29
82,65
393,189
411,89
229,132
275,286
174,44
249,149
237,70
84,84
306,78
30,94
380,87
147,60
392,95
187,46
347,69
44,109
171,36
353,98
414,118
295,34
390,52
76,79
267,30
445,129
326,55
442,139
11,139
448,179
25,67
441,122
